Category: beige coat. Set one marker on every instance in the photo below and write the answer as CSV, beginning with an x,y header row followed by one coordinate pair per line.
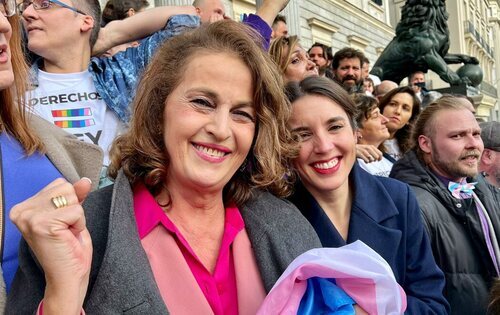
x,y
73,158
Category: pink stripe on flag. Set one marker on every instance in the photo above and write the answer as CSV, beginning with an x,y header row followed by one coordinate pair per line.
x,y
362,273
361,290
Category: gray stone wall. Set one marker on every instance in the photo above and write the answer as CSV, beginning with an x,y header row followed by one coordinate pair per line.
x,y
334,13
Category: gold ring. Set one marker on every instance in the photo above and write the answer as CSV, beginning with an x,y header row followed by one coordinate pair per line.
x,y
59,202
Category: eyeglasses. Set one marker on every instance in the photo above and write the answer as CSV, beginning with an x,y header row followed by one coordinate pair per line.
x,y
8,7
44,5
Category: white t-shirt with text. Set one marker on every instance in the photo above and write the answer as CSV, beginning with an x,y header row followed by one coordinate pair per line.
x,y
70,101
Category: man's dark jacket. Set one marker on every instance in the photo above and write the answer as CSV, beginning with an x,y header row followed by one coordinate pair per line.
x,y
455,232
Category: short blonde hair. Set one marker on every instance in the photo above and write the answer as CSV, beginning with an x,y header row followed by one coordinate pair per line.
x,y
141,151
425,123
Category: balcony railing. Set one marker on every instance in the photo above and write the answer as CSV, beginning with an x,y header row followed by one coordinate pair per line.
x,y
469,28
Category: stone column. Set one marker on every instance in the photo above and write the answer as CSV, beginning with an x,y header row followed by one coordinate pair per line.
x,y
292,16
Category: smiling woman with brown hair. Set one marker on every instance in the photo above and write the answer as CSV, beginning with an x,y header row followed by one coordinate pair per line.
x,y
345,204
190,225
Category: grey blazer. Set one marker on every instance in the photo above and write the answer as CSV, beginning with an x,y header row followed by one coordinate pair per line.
x,y
121,279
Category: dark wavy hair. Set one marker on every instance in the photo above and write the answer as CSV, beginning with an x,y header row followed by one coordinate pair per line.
x,y
347,53
323,47
403,135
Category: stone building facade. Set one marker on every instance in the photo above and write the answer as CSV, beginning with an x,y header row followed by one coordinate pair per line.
x,y
369,25
361,24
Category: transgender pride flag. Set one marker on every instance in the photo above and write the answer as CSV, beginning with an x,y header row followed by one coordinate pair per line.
x,y
322,280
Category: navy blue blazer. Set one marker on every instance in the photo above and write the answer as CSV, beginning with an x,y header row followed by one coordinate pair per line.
x,y
385,216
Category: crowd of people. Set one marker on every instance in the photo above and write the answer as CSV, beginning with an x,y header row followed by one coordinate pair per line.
x,y
171,160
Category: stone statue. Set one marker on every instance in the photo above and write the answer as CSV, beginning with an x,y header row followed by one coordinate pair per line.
x,y
421,43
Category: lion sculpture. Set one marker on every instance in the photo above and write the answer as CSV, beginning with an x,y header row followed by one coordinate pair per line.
x,y
421,43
